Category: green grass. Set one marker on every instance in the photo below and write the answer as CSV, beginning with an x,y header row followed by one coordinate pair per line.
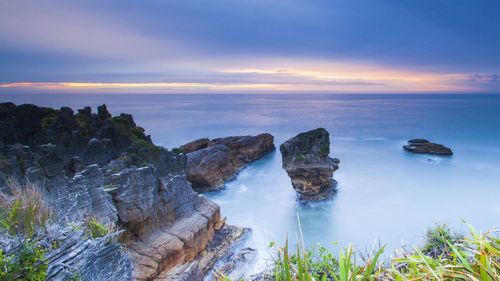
x,y
178,150
96,229
24,208
48,121
444,256
109,186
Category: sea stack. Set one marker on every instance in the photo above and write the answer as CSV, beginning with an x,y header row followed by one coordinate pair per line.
x,y
424,146
306,160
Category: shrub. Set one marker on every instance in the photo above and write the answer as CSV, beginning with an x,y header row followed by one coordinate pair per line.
x,y
24,208
48,121
437,240
178,150
475,258
27,264
95,228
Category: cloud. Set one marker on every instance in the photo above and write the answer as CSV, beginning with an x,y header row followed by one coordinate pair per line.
x,y
395,46
69,29
486,78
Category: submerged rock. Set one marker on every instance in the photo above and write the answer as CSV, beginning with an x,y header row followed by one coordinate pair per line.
x,y
211,162
424,146
305,159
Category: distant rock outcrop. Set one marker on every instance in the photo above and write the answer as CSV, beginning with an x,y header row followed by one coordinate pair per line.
x,y
211,162
424,146
106,167
305,159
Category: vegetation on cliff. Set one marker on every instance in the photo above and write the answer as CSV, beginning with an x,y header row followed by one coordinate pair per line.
x,y
31,234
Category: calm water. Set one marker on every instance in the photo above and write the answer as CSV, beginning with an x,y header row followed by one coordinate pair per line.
x,y
383,192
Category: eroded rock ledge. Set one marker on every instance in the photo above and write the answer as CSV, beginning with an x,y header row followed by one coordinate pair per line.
x,y
306,160
424,146
212,162
102,166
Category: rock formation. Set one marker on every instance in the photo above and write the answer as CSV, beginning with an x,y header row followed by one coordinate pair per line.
x,y
106,167
305,159
424,146
211,162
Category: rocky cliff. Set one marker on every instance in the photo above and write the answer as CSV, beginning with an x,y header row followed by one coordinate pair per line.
x,y
306,160
211,162
93,164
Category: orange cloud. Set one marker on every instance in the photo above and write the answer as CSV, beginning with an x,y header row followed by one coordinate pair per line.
x,y
347,78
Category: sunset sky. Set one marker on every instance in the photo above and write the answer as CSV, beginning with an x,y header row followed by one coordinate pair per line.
x,y
250,46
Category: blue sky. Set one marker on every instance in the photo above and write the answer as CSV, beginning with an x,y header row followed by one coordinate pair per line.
x,y
250,46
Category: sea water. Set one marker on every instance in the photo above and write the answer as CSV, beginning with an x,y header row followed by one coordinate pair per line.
x,y
384,194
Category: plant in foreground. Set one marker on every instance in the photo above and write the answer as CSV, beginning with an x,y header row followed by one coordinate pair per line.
x,y
24,208
476,258
28,263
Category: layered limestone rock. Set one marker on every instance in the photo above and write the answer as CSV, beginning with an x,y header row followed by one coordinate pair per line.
x,y
208,168
211,162
106,167
424,146
306,160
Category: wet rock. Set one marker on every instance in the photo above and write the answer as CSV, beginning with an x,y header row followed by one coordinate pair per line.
x,y
99,151
248,148
211,162
305,159
88,259
196,145
237,263
219,250
424,146
208,168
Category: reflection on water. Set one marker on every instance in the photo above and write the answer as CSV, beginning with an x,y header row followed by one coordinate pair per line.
x,y
383,191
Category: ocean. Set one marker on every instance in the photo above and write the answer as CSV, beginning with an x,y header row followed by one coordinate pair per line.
x,y
385,194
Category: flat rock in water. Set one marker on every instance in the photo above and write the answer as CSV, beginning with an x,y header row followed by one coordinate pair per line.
x,y
424,146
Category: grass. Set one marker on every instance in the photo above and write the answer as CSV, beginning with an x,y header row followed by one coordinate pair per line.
x,y
178,150
299,157
24,208
445,256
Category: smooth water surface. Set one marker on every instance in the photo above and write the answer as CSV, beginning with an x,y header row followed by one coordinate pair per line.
x,y
383,192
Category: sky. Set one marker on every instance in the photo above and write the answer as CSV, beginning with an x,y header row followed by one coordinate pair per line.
x,y
250,46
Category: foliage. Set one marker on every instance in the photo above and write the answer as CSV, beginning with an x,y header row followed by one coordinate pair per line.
x,y
321,261
178,150
302,266
109,186
48,121
95,228
24,208
475,258
115,169
299,157
437,240
325,150
20,163
27,264
84,121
